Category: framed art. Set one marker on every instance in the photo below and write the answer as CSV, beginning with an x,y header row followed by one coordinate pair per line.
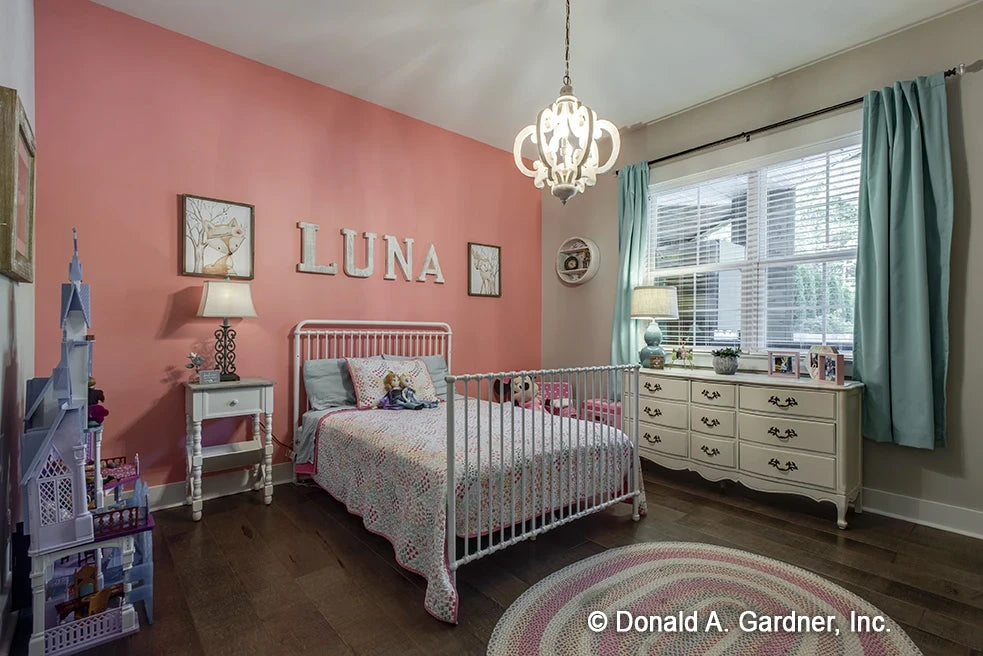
x,y
831,368
814,353
484,270
17,174
784,364
218,238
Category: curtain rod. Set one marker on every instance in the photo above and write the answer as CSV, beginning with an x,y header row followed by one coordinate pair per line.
x,y
959,69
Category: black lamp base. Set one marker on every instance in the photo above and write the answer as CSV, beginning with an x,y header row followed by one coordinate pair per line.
x,y
225,378
225,352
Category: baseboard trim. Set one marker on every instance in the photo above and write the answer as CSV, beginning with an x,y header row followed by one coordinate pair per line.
x,y
171,495
943,516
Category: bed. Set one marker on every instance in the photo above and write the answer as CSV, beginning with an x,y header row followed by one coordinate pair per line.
x,y
517,470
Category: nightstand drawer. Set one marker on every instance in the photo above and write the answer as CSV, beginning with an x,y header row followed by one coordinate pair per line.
x,y
657,387
240,401
662,440
714,394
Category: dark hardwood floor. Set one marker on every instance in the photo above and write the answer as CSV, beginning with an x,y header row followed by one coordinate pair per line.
x,y
304,577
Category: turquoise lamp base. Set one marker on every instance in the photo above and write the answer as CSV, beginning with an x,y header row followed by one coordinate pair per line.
x,y
653,339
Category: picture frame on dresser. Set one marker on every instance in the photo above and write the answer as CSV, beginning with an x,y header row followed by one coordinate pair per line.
x,y
831,368
783,364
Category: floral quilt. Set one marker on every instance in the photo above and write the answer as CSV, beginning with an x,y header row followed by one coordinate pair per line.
x,y
390,468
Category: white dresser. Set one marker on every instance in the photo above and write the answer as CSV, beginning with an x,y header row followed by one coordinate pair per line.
x,y
771,434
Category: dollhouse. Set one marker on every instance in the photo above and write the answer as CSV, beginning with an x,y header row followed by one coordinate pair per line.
x,y
82,549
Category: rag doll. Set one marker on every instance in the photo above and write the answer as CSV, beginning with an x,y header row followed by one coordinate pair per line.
x,y
409,395
400,394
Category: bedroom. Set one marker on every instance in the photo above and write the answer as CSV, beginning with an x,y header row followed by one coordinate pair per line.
x,y
363,158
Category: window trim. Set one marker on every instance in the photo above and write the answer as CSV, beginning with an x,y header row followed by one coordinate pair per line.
x,y
750,267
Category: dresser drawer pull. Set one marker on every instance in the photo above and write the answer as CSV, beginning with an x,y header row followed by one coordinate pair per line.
x,y
652,387
652,413
710,452
234,402
778,403
789,433
711,395
654,439
789,465
709,423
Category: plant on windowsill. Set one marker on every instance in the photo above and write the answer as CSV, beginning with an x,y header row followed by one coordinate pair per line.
x,y
725,360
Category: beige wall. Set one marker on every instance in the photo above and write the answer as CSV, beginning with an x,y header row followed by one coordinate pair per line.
x,y
16,299
577,320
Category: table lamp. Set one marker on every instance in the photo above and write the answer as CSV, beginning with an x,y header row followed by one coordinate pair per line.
x,y
226,298
653,303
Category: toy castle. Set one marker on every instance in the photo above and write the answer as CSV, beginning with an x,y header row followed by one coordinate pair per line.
x,y
82,550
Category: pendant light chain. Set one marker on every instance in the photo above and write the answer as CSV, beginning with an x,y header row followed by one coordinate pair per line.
x,y
566,74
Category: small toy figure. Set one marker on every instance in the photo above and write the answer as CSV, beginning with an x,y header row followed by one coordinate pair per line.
x,y
97,412
683,355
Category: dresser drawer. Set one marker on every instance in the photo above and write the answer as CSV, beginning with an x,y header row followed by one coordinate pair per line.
x,y
712,450
664,413
788,433
659,387
657,439
240,401
712,421
788,401
787,465
714,394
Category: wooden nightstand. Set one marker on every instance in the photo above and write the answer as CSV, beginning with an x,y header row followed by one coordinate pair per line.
x,y
249,396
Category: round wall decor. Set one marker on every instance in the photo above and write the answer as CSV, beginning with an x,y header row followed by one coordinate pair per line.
x,y
577,260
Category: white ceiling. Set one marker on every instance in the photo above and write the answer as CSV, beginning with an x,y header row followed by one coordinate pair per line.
x,y
484,68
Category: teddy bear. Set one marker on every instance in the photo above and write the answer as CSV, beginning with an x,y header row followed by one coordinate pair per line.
x,y
525,393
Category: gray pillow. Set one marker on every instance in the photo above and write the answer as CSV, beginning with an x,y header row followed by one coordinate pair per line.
x,y
436,365
328,383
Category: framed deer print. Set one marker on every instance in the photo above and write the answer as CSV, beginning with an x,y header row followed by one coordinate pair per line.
x,y
17,152
484,270
217,238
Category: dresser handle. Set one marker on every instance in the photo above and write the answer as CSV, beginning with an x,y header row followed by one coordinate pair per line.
x,y
652,413
652,388
654,439
789,465
788,403
789,433
710,452
711,395
709,423
234,402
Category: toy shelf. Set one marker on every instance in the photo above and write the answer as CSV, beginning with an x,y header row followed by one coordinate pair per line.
x,y
577,260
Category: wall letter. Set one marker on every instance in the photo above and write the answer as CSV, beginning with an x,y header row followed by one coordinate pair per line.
x,y
431,267
350,268
393,253
308,259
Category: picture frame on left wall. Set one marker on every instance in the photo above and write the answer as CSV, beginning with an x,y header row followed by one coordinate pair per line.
x,y
484,270
218,238
18,151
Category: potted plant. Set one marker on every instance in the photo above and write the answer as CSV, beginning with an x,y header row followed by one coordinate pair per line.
x,y
725,360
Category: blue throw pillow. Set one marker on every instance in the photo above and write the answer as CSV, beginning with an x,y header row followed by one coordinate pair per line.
x,y
328,383
436,365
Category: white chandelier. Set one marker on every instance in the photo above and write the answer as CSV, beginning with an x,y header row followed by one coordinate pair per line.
x,y
565,135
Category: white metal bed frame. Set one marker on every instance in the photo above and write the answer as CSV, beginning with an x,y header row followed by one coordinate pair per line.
x,y
592,491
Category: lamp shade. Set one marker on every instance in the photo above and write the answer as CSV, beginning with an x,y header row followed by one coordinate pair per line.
x,y
656,302
226,298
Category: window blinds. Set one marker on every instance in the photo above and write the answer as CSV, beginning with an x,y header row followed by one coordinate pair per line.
x,y
762,255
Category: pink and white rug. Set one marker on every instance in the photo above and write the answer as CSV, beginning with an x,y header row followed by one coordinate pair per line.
x,y
679,598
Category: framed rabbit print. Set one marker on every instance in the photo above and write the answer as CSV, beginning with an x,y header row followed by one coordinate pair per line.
x,y
217,238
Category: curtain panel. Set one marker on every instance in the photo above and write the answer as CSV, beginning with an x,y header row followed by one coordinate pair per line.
x,y
901,332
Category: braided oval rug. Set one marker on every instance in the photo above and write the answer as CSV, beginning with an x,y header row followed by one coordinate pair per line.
x,y
679,598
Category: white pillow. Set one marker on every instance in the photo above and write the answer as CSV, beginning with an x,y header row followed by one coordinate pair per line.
x,y
368,377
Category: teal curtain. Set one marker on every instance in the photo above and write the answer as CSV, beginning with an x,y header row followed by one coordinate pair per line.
x,y
633,186
901,332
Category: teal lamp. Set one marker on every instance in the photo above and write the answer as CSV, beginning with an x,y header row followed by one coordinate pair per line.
x,y
653,303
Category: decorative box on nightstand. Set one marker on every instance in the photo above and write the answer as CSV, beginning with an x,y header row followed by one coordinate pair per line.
x,y
249,396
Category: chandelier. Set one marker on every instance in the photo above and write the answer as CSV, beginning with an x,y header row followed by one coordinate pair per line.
x,y
565,135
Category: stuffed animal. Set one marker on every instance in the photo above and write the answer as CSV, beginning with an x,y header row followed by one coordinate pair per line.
x,y
525,393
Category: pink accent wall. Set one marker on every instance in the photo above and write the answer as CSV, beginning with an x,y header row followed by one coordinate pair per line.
x,y
130,116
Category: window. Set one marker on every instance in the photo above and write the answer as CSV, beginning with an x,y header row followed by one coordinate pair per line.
x,y
763,255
